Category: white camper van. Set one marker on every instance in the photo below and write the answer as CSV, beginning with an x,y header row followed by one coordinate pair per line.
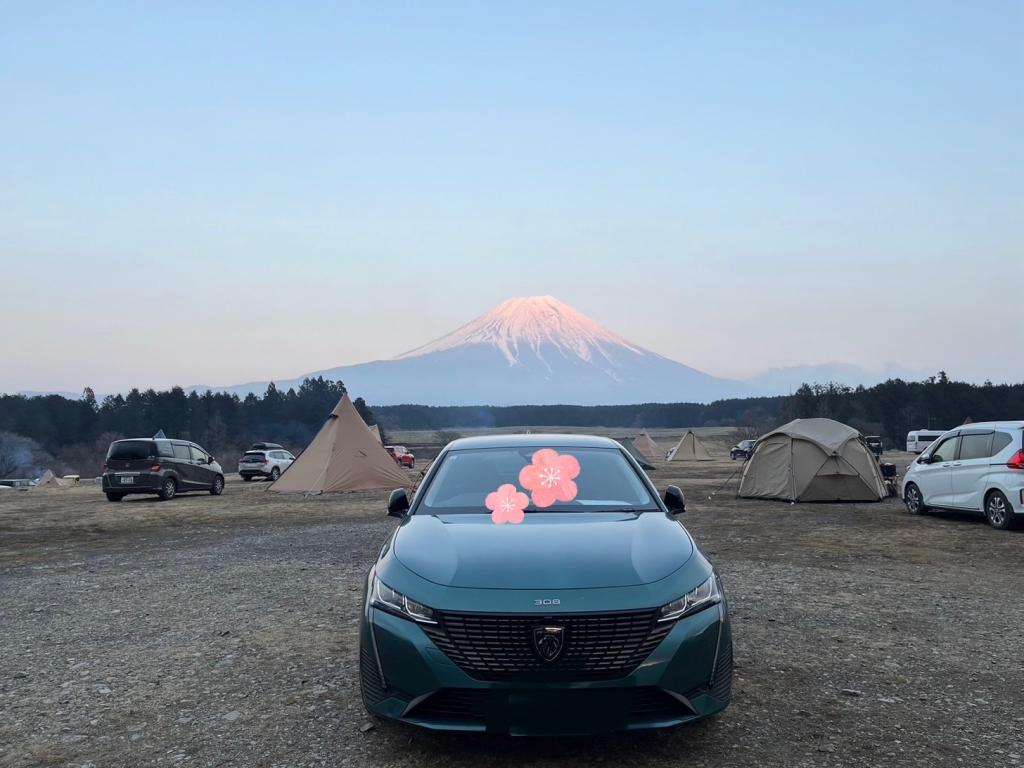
x,y
919,439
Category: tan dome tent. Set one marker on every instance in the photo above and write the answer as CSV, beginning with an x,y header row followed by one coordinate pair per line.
x,y
344,456
630,445
812,460
689,448
647,447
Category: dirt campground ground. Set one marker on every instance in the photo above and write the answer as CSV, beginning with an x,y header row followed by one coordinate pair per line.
x,y
221,631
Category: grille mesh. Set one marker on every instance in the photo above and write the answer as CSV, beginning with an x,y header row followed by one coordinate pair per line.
x,y
646,704
500,646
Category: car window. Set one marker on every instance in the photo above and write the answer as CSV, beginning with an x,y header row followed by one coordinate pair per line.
x,y
999,441
164,448
975,446
198,454
181,452
606,481
946,450
131,450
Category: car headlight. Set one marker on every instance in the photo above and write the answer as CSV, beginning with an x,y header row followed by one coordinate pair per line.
x,y
386,598
696,599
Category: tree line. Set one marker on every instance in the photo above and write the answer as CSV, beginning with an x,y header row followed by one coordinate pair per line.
x,y
72,435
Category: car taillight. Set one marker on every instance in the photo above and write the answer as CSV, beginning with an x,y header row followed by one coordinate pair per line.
x,y
1016,461
155,468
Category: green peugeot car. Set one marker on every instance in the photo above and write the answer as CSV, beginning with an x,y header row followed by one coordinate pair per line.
x,y
538,584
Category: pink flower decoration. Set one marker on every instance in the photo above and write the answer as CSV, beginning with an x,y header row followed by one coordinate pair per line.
x,y
506,504
550,477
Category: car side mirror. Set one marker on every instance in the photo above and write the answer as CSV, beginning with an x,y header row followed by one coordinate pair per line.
x,y
924,459
210,459
398,503
675,500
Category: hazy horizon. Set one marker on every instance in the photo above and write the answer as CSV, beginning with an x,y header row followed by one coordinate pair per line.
x,y
271,192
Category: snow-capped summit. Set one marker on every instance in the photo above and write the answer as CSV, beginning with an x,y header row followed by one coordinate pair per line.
x,y
532,323
526,351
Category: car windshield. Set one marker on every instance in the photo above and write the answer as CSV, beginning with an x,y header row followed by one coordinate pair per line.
x,y
605,481
131,450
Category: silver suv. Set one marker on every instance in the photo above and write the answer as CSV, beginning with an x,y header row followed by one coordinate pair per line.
x,y
268,461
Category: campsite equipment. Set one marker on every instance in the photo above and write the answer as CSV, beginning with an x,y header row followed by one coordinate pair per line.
x,y
812,460
647,447
629,444
344,456
689,448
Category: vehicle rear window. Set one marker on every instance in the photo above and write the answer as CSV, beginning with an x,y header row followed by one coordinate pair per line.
x,y
250,455
131,450
606,481
999,441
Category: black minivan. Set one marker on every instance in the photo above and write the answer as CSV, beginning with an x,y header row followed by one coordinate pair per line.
x,y
163,467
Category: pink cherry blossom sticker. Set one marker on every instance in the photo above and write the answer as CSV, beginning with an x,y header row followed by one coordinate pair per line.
x,y
506,504
549,477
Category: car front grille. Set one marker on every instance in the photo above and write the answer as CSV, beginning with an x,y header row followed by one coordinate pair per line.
x,y
489,646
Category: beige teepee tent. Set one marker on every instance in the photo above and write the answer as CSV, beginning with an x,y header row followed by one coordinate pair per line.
x,y
689,448
812,460
647,447
375,431
344,456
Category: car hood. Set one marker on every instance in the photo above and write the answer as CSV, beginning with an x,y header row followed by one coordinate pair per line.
x,y
547,550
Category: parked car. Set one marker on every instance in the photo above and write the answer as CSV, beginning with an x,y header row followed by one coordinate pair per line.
x,y
919,439
401,455
488,610
976,467
742,450
161,467
264,463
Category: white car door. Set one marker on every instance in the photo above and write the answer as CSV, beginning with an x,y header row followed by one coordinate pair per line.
x,y
933,477
971,468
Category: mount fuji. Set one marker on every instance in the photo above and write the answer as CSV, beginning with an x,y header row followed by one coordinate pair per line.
x,y
525,351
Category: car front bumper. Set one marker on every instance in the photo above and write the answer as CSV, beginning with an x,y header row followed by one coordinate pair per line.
x,y
406,677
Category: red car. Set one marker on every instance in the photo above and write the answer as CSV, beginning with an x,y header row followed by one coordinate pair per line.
x,y
401,455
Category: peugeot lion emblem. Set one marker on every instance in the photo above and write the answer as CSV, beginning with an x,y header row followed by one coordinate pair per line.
x,y
548,642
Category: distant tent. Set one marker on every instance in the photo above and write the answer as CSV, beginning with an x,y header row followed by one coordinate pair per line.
x,y
50,481
648,447
630,445
376,432
812,460
344,456
689,448
160,435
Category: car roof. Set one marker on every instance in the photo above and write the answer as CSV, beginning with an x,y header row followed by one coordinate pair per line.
x,y
538,440
988,425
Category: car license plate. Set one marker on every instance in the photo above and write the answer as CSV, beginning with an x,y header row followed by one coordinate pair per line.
x,y
127,480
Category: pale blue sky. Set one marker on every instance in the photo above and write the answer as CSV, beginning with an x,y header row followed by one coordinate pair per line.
x,y
363,178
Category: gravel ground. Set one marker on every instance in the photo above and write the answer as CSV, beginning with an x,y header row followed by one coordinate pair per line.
x,y
222,632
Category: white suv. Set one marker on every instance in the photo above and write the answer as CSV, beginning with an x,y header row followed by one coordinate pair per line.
x,y
976,467
266,462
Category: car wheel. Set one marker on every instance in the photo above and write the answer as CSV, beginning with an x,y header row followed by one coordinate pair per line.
x,y
218,486
247,478
998,511
115,496
274,474
167,489
412,464
913,500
